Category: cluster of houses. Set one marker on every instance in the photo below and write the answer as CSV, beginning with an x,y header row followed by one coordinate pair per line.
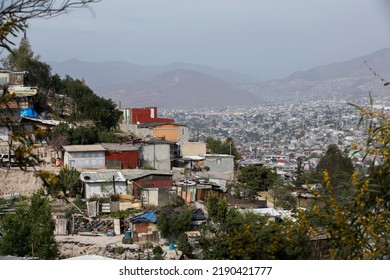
x,y
158,167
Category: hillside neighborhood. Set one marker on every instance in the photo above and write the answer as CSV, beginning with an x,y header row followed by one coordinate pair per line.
x,y
153,189
158,168
83,175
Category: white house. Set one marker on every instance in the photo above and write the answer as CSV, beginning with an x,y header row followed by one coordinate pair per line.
x,y
103,183
85,156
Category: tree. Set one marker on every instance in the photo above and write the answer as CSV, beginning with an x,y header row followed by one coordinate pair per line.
x,y
158,253
30,232
299,181
216,209
68,180
172,224
281,192
257,178
84,135
339,168
59,136
357,228
246,235
338,165
215,146
15,14
85,102
184,245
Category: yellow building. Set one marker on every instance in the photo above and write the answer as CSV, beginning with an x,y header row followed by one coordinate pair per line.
x,y
168,131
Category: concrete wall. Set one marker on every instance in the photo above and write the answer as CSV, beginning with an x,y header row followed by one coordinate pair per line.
x,y
150,196
104,189
192,148
157,156
220,163
139,132
18,181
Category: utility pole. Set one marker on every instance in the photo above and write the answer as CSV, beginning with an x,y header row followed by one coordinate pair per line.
x,y
113,183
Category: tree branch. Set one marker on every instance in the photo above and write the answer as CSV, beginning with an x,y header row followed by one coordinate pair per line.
x,y
14,15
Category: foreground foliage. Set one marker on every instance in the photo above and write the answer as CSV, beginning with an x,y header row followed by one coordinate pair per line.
x,y
30,232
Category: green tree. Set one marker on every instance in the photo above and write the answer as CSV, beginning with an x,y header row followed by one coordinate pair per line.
x,y
216,209
68,180
84,135
299,181
184,245
20,58
281,192
173,223
359,227
257,178
158,253
85,103
246,235
30,232
340,168
108,137
215,146
338,165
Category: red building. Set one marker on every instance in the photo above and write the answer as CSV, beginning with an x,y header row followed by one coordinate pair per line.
x,y
119,156
148,179
142,116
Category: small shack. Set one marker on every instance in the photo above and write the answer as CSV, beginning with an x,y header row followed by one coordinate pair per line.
x,y
103,183
144,227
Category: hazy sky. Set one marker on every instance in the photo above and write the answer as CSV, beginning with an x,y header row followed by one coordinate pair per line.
x,y
266,38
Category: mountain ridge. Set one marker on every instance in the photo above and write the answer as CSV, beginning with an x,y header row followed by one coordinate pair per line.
x,y
203,86
179,88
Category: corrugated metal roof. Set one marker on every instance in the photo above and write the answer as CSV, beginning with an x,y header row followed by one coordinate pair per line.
x,y
119,147
84,148
135,174
102,176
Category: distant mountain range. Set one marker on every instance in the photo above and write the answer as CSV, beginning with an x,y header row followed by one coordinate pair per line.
x,y
182,85
348,80
179,89
98,74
